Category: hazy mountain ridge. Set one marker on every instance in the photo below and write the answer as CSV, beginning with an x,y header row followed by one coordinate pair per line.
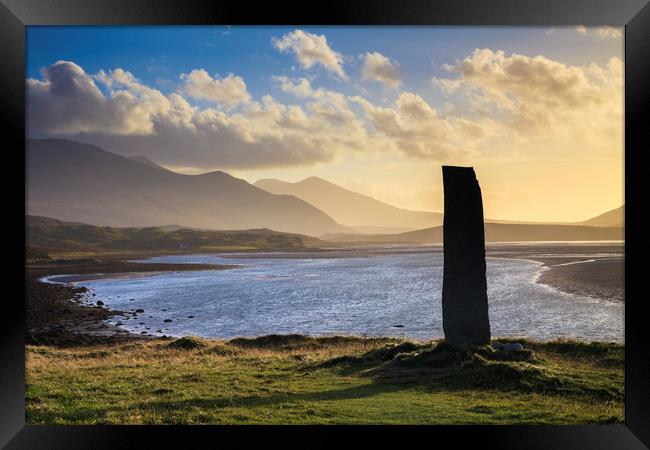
x,y
351,208
494,232
365,214
79,182
146,161
82,183
612,218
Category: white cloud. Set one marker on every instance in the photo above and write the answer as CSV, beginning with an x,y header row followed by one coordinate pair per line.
x,y
67,101
311,49
503,105
448,86
601,32
132,118
379,68
229,91
412,126
300,87
536,96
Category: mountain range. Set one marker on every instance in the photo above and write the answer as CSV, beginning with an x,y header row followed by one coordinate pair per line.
x,y
367,215
361,212
79,182
82,183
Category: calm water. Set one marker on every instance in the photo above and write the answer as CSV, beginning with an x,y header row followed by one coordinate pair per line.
x,y
366,295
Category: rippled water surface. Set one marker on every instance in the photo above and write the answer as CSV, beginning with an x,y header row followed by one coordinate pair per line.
x,y
365,295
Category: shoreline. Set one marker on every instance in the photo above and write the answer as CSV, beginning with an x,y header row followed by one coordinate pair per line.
x,y
595,276
62,314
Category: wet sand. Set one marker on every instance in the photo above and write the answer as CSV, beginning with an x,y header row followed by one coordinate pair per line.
x,y
600,278
591,270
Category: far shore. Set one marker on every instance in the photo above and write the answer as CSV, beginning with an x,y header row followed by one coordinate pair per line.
x,y
596,271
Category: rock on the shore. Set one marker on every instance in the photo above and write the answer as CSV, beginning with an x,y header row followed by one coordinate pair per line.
x,y
508,347
100,303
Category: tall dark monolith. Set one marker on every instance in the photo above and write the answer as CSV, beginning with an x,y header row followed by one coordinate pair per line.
x,y
464,287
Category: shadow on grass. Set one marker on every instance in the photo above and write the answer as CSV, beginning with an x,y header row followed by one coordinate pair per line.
x,y
171,407
400,365
440,367
436,367
355,392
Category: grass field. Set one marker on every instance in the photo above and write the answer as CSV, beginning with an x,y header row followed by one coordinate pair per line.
x,y
302,380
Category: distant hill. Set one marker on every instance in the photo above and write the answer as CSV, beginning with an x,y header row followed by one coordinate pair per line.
x,y
351,208
40,221
146,161
79,182
46,235
613,218
362,213
494,232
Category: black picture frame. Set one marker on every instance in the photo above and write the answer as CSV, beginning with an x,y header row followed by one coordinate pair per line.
x,y
15,15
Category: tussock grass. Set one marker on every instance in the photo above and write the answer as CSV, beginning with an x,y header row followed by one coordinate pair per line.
x,y
187,343
284,342
338,379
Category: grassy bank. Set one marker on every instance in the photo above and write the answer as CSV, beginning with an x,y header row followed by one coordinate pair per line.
x,y
51,238
300,380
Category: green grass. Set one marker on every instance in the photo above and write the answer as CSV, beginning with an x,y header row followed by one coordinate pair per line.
x,y
55,238
302,380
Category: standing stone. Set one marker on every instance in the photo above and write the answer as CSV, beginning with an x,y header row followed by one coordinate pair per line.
x,y
464,287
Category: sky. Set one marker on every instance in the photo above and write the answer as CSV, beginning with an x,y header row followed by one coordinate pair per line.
x,y
538,112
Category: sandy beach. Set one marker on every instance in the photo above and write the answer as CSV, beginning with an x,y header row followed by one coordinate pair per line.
x,y
592,270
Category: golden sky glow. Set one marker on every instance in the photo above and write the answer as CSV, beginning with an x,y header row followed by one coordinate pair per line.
x,y
537,112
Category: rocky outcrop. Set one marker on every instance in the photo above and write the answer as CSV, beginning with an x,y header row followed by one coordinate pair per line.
x,y
464,288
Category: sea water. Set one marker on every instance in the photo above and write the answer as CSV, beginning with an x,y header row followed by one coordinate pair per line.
x,y
371,294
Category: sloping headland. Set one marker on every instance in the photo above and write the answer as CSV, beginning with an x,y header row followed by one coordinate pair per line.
x,y
63,315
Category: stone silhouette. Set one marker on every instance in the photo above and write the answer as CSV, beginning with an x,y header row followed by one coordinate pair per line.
x,y
464,288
